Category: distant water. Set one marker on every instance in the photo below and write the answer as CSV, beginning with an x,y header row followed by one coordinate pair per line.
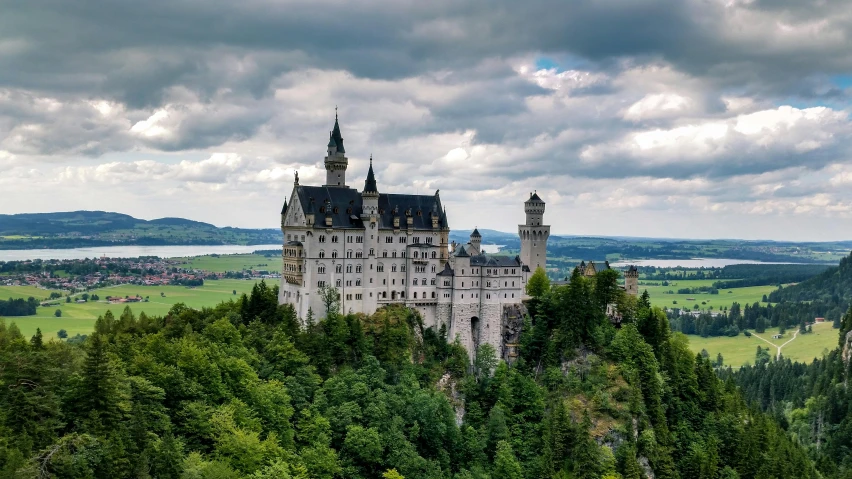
x,y
129,251
689,263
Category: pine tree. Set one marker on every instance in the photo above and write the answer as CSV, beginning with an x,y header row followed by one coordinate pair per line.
x,y
506,465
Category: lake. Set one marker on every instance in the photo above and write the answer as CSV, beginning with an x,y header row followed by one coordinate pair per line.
x,y
130,251
689,263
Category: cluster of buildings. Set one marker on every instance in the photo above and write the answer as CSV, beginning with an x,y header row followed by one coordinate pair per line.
x,y
104,272
379,248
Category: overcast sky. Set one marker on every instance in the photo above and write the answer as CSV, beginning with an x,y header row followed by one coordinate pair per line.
x,y
675,118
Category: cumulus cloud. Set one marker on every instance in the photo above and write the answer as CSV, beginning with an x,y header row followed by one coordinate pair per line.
x,y
667,112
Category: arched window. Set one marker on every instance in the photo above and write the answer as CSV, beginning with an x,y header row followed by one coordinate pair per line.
x,y
338,268
434,254
415,295
393,268
415,281
321,269
372,252
322,254
358,268
415,254
334,254
348,268
380,268
349,254
322,238
384,254
357,282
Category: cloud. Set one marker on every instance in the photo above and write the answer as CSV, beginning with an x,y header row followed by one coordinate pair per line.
x,y
632,112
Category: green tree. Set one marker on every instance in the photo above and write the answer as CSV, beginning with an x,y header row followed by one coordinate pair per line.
x,y
506,465
58,313
538,284
62,334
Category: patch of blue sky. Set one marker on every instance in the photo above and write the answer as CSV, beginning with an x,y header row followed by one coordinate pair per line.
x,y
560,64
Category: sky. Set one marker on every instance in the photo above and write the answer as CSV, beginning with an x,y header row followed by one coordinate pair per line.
x,y
658,118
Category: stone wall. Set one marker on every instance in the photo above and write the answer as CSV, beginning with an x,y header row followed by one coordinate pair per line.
x,y
512,322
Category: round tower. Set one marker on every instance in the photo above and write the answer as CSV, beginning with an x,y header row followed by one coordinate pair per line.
x,y
631,281
336,161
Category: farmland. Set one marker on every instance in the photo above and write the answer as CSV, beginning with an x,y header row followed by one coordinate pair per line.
x,y
80,317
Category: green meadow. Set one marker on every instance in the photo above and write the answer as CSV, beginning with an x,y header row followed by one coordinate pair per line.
x,y
726,297
234,262
80,317
740,350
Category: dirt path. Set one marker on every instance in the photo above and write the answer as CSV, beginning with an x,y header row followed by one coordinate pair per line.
x,y
778,348
778,354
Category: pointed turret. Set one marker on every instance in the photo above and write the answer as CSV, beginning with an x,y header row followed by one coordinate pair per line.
x,y
476,241
370,184
336,162
370,195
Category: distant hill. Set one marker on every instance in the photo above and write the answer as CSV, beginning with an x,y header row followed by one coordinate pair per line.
x,y
76,229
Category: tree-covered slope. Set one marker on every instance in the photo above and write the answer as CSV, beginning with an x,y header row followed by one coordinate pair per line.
x,y
243,390
100,228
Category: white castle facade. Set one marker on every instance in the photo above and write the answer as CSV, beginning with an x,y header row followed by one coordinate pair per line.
x,y
379,248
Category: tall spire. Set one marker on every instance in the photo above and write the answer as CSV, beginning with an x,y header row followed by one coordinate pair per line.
x,y
370,184
336,137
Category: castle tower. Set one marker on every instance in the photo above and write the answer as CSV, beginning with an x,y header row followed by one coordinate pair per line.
x,y
631,281
370,195
476,241
534,234
336,162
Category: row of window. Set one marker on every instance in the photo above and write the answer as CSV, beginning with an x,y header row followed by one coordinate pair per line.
x,y
357,296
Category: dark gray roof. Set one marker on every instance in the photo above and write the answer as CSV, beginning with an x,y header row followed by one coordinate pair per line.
x,y
534,197
461,252
475,233
294,243
632,268
284,208
495,261
336,137
370,183
347,205
447,271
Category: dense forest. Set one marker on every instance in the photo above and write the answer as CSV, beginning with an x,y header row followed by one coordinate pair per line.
x,y
244,390
18,307
811,401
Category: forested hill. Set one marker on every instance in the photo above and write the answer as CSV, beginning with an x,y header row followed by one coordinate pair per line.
x,y
246,390
812,402
99,228
828,294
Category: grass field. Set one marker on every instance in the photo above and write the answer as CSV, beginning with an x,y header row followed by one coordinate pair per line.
x,y
725,298
739,350
235,262
80,318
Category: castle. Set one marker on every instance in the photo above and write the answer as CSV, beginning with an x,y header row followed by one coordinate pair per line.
x,y
378,248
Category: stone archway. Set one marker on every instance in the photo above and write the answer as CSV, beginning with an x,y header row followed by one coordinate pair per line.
x,y
474,335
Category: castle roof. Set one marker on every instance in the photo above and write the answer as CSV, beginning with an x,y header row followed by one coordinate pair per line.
x,y
447,271
461,252
284,208
632,268
495,261
336,139
346,205
370,183
534,197
475,233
